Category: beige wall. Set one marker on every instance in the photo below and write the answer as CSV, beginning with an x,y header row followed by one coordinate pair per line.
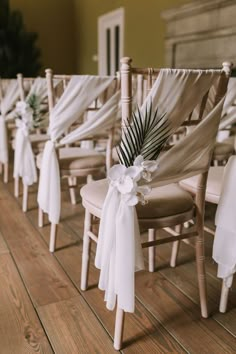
x,y
54,22
144,30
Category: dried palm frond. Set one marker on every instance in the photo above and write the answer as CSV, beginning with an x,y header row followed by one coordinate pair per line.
x,y
146,135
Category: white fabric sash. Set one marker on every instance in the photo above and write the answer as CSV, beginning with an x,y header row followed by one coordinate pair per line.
x,y
118,267
224,247
11,95
3,141
24,161
77,97
175,94
103,120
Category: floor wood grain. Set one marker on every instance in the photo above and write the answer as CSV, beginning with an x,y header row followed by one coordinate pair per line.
x,y
3,247
20,328
167,317
44,278
73,328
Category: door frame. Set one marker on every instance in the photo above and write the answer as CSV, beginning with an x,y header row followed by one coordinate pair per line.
x,y
109,20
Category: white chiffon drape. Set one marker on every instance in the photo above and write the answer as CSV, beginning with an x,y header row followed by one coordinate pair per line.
x,y
11,95
24,161
224,247
175,94
77,97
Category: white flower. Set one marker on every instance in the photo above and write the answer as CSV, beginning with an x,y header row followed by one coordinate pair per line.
x,y
125,180
148,167
21,107
142,192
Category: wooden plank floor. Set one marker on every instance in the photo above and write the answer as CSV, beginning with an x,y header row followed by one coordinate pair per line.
x,y
42,309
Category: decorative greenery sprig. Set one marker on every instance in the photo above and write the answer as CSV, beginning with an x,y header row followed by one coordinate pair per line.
x,y
34,102
145,135
30,114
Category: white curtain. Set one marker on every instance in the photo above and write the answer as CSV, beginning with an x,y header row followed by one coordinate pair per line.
x,y
11,95
77,97
176,94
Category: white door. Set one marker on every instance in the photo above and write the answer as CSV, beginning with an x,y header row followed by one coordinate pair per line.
x,y
110,41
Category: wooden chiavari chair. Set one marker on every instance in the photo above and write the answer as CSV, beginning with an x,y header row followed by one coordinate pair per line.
x,y
76,162
167,206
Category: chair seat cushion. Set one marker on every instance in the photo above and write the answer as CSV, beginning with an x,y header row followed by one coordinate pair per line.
x,y
222,151
214,184
74,158
162,201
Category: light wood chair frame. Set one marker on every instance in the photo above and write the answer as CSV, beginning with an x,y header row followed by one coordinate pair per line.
x,y
88,173
165,222
176,245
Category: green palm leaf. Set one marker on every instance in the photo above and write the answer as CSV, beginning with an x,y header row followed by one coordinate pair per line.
x,y
146,135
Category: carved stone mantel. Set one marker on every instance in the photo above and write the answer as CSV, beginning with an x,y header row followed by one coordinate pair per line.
x,y
201,34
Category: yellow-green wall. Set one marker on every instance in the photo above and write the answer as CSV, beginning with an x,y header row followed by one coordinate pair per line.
x,y
144,30
67,30
54,22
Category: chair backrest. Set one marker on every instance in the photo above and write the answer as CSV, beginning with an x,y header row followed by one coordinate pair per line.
x,y
25,84
204,90
92,109
29,87
145,78
64,79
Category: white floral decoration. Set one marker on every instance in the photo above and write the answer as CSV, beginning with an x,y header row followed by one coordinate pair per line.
x,y
125,180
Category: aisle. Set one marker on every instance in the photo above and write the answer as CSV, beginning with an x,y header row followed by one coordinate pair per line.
x,y
42,309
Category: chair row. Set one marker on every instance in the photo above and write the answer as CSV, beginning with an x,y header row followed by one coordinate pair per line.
x,y
179,109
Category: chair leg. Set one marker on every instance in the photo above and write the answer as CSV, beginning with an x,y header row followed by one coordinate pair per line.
x,y
25,198
53,236
200,252
40,218
224,297
119,328
175,247
5,173
201,272
151,250
72,190
86,251
16,187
